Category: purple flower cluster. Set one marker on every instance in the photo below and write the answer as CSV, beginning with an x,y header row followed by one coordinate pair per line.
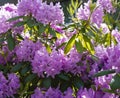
x,y
8,87
106,4
95,16
52,64
5,55
110,57
6,12
84,12
26,50
103,81
41,11
52,93
82,93
45,63
90,93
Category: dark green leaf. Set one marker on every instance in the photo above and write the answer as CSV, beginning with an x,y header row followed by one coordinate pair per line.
x,y
17,67
29,78
52,32
21,23
2,39
64,77
78,83
31,23
63,44
105,72
10,41
25,70
41,28
115,83
46,82
15,18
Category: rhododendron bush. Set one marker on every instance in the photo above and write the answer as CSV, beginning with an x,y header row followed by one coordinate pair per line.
x,y
42,56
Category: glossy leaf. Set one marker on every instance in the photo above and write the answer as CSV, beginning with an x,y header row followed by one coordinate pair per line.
x,y
115,83
70,44
105,72
10,41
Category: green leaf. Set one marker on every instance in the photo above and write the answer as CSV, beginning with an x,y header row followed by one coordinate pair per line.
x,y
10,41
25,70
46,82
63,44
41,28
29,78
31,23
52,32
78,83
105,72
48,48
79,46
2,39
108,90
17,67
64,77
88,44
115,83
21,23
70,44
15,18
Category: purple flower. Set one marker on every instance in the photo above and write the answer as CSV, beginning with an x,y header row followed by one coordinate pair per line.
x,y
37,94
116,34
84,11
110,57
97,16
5,55
50,14
26,50
103,81
8,87
13,85
53,93
41,11
49,64
85,93
68,93
6,12
106,4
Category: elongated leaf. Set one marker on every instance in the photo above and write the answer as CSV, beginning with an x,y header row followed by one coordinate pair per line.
x,y
25,70
17,67
21,23
15,18
77,82
79,46
10,41
48,48
115,83
64,77
63,44
41,28
70,44
30,77
88,44
52,32
102,73
46,82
